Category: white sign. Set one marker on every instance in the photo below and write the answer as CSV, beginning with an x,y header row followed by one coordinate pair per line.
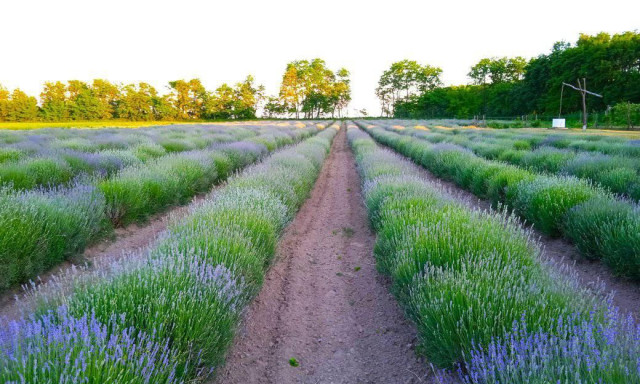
x,y
558,123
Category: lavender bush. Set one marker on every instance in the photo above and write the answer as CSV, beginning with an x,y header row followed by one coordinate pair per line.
x,y
575,350
60,348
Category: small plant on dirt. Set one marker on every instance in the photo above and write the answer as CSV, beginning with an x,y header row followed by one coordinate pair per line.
x,y
348,189
348,231
339,274
294,362
356,269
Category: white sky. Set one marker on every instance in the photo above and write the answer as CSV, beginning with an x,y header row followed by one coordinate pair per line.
x,y
223,41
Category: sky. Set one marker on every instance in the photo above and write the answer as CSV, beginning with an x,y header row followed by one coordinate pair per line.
x,y
223,41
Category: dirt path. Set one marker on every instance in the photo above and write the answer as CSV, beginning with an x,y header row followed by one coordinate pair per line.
x,y
323,303
561,252
126,242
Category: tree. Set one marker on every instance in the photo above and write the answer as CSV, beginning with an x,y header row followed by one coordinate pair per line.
x,y
292,90
190,98
481,72
136,102
498,70
108,95
163,108
273,107
247,97
404,80
239,102
341,92
4,103
21,107
311,87
83,103
54,102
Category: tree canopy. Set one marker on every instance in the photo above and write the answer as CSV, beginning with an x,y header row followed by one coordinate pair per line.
x,y
311,88
404,80
509,87
102,100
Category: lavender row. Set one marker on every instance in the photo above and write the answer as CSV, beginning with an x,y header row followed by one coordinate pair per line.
x,y
486,305
57,157
548,153
602,225
168,317
42,227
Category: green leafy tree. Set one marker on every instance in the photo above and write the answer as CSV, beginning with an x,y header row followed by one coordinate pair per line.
x,y
498,70
273,107
83,103
136,102
293,88
404,80
247,97
54,101
4,103
310,87
190,98
22,107
163,108
108,95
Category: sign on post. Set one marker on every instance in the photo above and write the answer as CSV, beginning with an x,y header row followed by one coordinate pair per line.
x,y
558,123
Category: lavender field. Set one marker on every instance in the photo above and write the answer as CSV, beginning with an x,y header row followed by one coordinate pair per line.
x,y
513,255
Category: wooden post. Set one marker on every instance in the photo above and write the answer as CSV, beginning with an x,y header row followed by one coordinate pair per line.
x,y
561,94
583,89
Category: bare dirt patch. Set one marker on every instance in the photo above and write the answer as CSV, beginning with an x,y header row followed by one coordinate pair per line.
x,y
323,302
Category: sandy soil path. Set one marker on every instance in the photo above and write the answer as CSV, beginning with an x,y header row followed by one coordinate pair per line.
x,y
323,303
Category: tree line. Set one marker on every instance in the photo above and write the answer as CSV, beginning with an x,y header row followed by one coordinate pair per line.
x,y
508,87
308,88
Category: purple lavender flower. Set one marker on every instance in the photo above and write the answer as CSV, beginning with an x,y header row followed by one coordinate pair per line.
x,y
57,347
579,349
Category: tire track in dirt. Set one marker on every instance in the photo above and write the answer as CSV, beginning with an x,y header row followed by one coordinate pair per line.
x,y
323,302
